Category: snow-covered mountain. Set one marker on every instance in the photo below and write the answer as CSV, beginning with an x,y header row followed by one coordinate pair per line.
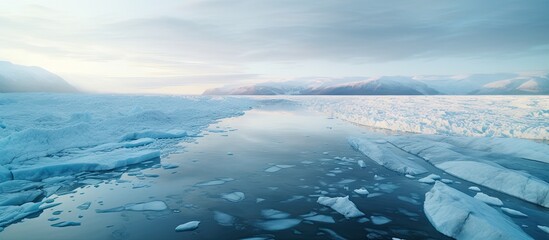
x,y
479,84
18,78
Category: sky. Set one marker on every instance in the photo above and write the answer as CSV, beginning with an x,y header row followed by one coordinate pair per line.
x,y
185,47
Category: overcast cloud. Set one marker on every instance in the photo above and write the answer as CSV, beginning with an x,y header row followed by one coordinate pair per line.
x,y
118,45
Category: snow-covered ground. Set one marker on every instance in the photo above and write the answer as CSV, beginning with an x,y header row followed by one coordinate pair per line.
x,y
46,135
478,116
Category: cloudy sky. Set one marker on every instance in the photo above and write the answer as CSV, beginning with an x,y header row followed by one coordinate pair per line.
x,y
189,46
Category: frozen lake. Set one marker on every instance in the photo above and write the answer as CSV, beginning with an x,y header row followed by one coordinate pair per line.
x,y
260,175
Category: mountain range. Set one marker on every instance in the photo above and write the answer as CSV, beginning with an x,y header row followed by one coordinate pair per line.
x,y
18,78
478,84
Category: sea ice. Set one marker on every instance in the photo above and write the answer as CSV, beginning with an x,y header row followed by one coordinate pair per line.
x,y
379,220
386,155
513,212
278,224
341,205
460,216
321,218
429,179
146,206
274,214
19,198
544,228
233,197
223,219
65,224
473,188
189,226
488,199
361,191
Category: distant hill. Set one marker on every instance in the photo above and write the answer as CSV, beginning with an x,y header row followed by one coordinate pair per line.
x,y
18,78
479,84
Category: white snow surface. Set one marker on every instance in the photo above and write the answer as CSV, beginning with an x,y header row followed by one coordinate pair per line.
x,y
478,116
81,132
460,216
342,205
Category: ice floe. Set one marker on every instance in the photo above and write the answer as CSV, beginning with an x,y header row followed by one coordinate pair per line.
x,y
278,224
513,212
321,218
223,219
342,205
145,206
274,214
488,199
379,220
460,216
361,191
473,188
66,224
544,228
234,196
386,155
189,226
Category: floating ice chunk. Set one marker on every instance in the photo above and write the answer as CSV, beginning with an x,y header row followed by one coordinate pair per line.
x,y
19,198
429,179
18,186
346,181
273,169
460,216
274,214
169,165
258,200
219,181
544,228
474,188
409,200
513,212
321,218
379,220
189,226
385,154
278,224
10,214
363,220
277,168
293,198
84,206
233,197
409,176
90,163
91,181
515,183
488,199
371,195
378,178
447,181
333,234
223,219
361,163
361,191
65,224
146,206
341,205
387,187
155,135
